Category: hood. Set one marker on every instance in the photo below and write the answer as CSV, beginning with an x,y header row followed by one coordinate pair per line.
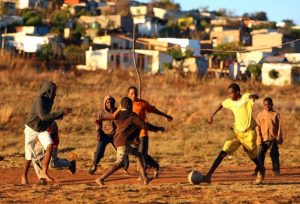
x,y
48,89
107,97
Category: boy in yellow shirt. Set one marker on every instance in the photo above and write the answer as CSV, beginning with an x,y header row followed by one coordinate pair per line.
x,y
244,130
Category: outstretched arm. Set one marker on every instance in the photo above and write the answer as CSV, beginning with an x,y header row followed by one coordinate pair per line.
x,y
153,109
211,119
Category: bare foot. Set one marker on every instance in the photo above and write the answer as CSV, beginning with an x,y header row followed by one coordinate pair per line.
x,y
46,176
99,181
24,180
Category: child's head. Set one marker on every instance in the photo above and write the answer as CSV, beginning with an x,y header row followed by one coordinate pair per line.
x,y
268,104
233,91
126,103
132,93
109,103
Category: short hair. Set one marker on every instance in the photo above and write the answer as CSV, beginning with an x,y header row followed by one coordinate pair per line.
x,y
234,87
134,88
269,100
126,103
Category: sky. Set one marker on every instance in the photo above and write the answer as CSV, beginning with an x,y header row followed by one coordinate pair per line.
x,y
277,10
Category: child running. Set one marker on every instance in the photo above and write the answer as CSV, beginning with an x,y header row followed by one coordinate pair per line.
x,y
38,121
128,125
244,130
269,135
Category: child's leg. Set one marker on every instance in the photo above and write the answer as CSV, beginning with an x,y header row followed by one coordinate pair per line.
x,y
262,149
25,171
30,137
99,154
274,154
140,163
230,146
218,160
121,155
148,159
47,143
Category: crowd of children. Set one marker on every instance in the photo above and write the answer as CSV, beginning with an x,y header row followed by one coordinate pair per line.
x,y
126,128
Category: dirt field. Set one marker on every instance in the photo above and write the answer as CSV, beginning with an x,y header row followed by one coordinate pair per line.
x,y
188,142
228,186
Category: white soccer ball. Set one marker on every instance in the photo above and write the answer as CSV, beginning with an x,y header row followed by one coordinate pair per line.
x,y
195,177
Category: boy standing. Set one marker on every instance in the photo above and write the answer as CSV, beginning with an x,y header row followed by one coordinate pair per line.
x,y
128,128
106,130
36,125
244,130
141,107
269,134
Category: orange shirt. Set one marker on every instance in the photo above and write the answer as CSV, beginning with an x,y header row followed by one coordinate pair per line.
x,y
268,126
140,107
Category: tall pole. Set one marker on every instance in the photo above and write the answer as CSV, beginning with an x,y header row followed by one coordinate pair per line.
x,y
134,62
2,44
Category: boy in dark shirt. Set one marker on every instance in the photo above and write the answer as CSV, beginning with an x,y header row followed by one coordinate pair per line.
x,y
128,129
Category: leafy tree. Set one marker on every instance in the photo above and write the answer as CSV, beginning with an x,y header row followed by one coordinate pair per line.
x,y
223,54
260,15
168,5
59,20
179,57
32,18
254,70
225,12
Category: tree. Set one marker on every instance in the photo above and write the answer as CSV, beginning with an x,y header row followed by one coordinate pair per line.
x,y
59,20
254,70
223,54
260,15
32,18
180,58
225,12
168,5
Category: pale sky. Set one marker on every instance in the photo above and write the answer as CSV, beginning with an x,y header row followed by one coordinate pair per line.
x,y
277,10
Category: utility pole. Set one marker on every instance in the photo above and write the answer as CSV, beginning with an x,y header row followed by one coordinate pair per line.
x,y
2,44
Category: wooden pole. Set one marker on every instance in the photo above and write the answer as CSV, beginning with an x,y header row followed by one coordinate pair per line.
x,y
134,63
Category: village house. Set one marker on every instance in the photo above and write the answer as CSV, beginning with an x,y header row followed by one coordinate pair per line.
x,y
288,72
266,39
151,61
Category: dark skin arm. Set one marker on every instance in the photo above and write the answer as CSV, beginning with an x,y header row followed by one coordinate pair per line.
x,y
211,118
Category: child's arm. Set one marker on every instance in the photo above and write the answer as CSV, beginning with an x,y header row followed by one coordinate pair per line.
x,y
211,119
279,134
259,139
154,128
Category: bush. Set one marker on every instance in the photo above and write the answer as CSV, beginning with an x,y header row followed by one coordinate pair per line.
x,y
273,74
254,70
32,18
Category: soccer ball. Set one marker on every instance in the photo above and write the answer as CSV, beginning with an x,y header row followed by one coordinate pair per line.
x,y
195,177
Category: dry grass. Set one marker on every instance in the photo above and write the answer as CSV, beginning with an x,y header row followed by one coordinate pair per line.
x,y
188,142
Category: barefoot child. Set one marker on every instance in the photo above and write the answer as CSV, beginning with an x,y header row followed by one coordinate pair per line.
x,y
244,129
269,134
36,125
128,129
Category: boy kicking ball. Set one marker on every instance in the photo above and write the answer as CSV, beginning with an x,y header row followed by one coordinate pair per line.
x,y
244,130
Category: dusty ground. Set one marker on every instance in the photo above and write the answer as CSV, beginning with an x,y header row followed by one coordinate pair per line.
x,y
188,142
229,185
